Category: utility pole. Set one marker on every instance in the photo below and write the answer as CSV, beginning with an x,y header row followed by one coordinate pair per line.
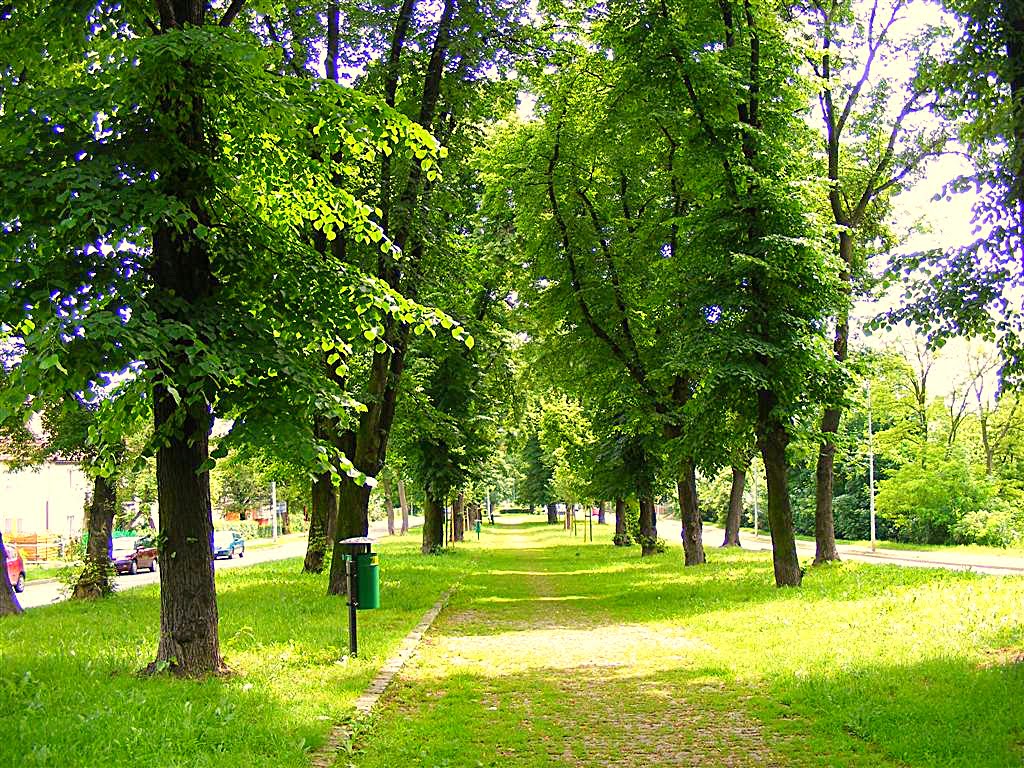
x,y
871,470
273,508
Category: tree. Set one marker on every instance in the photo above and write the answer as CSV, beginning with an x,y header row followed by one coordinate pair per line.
x,y
156,233
874,145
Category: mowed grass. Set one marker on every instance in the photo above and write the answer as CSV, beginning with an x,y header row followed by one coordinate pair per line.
x,y
570,653
70,694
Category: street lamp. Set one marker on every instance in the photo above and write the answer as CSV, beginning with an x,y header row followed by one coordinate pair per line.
x,y
871,469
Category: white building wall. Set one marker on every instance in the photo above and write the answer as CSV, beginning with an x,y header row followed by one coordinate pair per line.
x,y
47,498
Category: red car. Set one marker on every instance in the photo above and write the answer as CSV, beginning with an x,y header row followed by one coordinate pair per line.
x,y
133,553
15,568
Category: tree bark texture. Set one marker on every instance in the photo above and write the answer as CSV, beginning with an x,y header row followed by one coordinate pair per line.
x,y
621,537
97,577
324,506
9,604
433,525
648,528
732,517
552,514
824,513
181,269
692,532
403,502
458,518
570,512
388,506
188,597
773,439
350,497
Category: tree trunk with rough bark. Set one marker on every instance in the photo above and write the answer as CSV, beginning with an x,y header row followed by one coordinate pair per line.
x,y
732,517
569,516
458,519
189,644
403,503
692,532
388,506
648,528
824,513
324,507
552,514
183,278
602,511
773,439
433,525
9,604
97,577
350,497
621,538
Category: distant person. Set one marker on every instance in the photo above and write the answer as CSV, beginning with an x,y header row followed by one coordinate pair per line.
x,y
490,514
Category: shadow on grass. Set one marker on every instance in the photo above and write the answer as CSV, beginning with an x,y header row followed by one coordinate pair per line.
x,y
598,716
70,695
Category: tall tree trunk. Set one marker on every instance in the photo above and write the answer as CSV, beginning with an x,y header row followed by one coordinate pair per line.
x,y
9,604
732,518
388,506
433,525
824,514
621,538
602,511
569,512
403,503
552,513
188,597
97,577
773,439
324,507
648,528
458,519
692,532
183,280
350,497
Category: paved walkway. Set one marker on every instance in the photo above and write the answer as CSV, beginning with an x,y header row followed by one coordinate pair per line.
x,y
528,667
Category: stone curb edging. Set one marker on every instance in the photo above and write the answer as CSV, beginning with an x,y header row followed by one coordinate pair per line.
x,y
342,733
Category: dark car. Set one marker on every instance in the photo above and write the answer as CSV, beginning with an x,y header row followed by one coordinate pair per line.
x,y
228,544
15,568
134,553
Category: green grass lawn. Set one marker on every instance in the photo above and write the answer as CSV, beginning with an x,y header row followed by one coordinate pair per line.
x,y
35,572
70,695
559,652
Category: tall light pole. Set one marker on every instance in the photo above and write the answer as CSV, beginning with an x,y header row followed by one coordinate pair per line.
x,y
871,470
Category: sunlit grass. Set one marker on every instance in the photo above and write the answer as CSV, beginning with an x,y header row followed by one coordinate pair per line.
x,y
70,695
564,652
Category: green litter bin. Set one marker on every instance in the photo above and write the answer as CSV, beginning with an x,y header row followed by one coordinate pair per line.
x,y
368,580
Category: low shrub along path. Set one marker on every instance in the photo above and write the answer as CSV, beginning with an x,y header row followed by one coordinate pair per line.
x,y
559,652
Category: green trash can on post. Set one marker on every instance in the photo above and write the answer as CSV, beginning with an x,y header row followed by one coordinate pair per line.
x,y
368,580
362,572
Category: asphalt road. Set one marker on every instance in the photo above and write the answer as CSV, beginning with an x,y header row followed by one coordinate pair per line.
x,y
996,565
293,545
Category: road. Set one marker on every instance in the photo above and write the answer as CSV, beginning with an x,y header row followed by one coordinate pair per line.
x,y
293,545
996,565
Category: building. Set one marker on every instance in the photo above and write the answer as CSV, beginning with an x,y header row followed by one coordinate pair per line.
x,y
48,498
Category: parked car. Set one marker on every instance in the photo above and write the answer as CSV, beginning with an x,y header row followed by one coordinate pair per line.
x,y
15,568
133,553
227,544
